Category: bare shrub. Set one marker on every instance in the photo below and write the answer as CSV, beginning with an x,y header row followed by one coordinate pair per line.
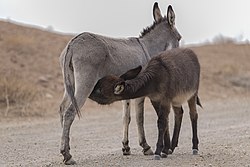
x,y
16,93
220,39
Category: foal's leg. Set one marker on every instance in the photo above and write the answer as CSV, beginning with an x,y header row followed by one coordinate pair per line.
x,y
84,85
139,109
178,114
126,120
167,143
162,123
194,118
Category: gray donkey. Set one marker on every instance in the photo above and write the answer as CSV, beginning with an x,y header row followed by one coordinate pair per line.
x,y
169,79
89,57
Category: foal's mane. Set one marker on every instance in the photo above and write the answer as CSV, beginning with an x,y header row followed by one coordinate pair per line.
x,y
149,28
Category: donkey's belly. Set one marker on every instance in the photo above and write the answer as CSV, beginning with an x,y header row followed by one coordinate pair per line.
x,y
179,99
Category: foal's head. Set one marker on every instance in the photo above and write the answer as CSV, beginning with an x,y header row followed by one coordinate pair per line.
x,y
111,88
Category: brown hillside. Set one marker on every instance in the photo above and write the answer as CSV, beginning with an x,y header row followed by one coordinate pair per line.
x,y
225,71
29,64
31,80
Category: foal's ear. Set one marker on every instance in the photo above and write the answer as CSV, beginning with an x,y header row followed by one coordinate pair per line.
x,y
131,74
171,16
119,88
157,12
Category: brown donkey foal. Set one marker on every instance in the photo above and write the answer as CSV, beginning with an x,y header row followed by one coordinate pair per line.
x,y
169,79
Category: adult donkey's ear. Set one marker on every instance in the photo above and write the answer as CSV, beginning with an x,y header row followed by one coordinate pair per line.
x,y
171,16
157,12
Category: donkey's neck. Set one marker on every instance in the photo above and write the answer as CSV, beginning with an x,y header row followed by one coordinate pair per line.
x,y
154,43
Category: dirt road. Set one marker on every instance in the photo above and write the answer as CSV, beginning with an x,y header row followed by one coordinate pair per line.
x,y
224,132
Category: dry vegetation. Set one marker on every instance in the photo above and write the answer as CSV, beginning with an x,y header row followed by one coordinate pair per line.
x,y
30,76
31,82
16,93
225,71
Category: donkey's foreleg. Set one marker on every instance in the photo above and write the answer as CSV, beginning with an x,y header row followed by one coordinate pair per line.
x,y
139,109
194,118
126,120
178,114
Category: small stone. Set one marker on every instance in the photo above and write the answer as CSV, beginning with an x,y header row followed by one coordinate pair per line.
x,y
49,96
209,154
43,79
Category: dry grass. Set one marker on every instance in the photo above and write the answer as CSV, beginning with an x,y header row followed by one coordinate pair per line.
x,y
17,94
20,44
225,70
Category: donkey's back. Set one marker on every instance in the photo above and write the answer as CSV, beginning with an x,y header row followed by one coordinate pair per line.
x,y
105,53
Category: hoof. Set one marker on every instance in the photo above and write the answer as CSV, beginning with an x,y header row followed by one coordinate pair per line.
x,y
70,162
148,152
127,152
157,157
164,155
195,151
170,151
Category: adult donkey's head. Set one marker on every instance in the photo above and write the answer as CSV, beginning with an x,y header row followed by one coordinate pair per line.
x,y
162,35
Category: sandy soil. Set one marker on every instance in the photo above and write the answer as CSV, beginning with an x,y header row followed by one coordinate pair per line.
x,y
224,133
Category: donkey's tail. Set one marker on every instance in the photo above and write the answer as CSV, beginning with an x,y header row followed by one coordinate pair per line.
x,y
67,76
198,102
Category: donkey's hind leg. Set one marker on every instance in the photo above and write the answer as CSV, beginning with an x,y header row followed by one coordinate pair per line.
x,y
63,106
139,109
194,118
126,120
84,85
178,114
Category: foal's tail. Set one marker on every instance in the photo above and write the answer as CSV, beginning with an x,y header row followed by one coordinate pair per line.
x,y
68,74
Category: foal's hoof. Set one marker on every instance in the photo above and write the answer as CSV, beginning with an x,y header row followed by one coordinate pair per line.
x,y
164,155
70,162
157,157
126,151
195,151
148,151
170,151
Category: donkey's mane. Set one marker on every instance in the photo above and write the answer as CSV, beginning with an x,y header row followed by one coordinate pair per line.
x,y
149,28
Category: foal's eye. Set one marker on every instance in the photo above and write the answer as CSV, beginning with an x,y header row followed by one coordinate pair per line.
x,y
98,90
